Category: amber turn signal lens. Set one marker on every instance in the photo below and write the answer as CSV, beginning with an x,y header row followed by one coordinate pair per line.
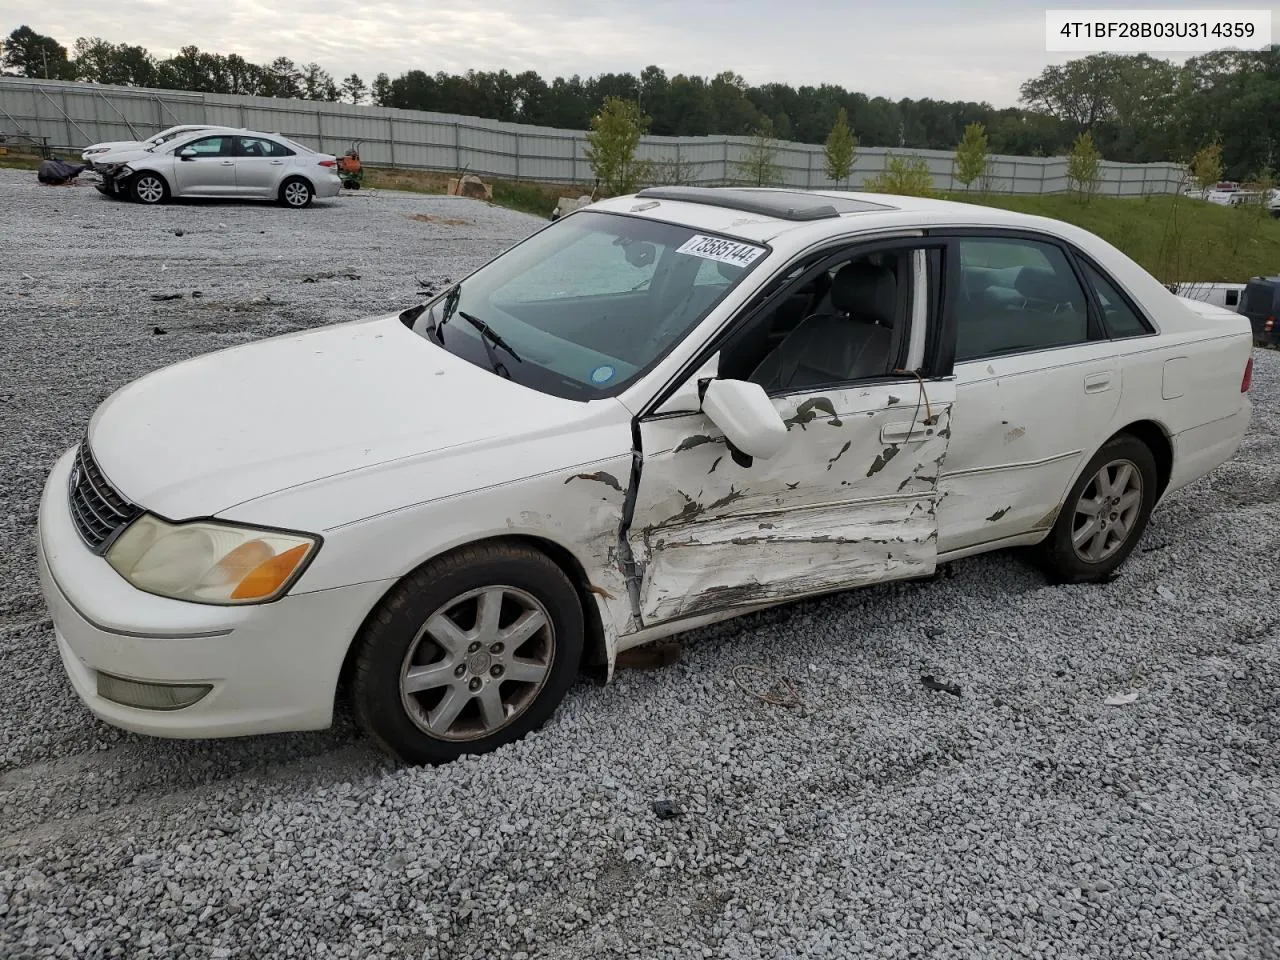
x,y
266,578
244,559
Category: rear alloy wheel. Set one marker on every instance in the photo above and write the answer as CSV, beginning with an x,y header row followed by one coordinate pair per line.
x,y
296,193
1104,515
149,188
470,652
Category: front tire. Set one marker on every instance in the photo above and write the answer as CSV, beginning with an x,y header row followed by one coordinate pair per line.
x,y
296,193
149,188
1104,515
470,652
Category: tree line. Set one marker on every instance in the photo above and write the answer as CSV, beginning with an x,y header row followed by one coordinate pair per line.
x,y
1136,108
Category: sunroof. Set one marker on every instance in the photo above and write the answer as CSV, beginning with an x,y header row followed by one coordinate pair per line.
x,y
783,204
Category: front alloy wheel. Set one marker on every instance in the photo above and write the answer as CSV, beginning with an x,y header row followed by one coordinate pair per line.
x,y
148,188
471,651
477,663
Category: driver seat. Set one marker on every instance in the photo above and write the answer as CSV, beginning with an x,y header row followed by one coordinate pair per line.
x,y
850,343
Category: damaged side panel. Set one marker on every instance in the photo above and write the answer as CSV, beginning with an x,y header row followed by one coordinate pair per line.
x,y
850,500
696,568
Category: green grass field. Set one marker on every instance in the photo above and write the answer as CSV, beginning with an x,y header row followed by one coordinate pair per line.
x,y
1213,242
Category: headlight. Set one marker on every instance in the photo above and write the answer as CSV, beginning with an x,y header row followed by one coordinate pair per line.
x,y
207,562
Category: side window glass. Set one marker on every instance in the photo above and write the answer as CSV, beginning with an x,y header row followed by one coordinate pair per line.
x,y
1118,318
1016,296
209,147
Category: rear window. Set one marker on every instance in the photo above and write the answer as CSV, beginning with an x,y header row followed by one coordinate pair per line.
x,y
1259,296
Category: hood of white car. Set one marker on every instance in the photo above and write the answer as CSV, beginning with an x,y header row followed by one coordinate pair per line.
x,y
125,154
206,434
113,145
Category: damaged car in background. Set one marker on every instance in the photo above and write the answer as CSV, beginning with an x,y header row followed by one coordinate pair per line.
x,y
95,151
660,412
221,163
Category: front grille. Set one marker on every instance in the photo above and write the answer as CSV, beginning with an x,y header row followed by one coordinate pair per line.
x,y
99,511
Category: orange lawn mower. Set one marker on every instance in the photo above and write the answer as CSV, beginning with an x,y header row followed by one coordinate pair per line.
x,y
350,172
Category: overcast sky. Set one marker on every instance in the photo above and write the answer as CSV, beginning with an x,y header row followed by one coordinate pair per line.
x,y
976,50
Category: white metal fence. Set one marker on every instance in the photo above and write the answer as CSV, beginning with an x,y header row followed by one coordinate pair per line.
x,y
73,115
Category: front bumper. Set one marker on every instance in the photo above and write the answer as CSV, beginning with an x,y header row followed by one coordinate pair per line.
x,y
271,667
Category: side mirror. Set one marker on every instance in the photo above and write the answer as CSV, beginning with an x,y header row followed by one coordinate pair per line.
x,y
747,417
186,153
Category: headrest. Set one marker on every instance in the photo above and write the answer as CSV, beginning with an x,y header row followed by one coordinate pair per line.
x,y
1041,283
867,291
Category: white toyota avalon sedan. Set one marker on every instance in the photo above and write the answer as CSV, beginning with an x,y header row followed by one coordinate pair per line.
x,y
660,411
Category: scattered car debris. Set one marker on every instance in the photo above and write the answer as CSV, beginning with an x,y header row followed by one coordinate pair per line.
x,y
56,173
158,331
166,296
469,186
327,275
178,232
27,276
446,221
1166,593
667,809
197,294
790,699
932,683
1121,699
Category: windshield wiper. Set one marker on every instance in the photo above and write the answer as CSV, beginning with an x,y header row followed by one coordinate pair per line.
x,y
488,335
450,304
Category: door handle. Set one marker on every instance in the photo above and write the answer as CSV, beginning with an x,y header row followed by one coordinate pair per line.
x,y
276,163
1097,382
228,163
903,432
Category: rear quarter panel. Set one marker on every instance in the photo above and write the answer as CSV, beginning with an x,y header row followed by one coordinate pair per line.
x,y
1187,380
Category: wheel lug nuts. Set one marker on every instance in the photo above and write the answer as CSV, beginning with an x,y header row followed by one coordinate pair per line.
x,y
474,685
495,648
460,669
497,670
475,645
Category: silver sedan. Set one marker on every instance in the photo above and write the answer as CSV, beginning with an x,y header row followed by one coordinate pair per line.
x,y
247,164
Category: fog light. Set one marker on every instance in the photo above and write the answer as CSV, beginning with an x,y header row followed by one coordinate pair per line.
x,y
150,696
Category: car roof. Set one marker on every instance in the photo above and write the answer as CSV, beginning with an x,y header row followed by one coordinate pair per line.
x,y
764,215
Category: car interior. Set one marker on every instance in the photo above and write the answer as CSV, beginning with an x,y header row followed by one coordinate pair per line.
x,y
838,326
1000,310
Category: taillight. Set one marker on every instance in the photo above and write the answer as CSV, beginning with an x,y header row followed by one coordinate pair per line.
x,y
328,163
1271,322
1248,376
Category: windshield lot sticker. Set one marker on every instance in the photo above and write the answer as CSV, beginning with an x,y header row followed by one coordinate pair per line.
x,y
722,251
602,374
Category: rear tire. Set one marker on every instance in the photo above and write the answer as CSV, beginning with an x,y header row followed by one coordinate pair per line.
x,y
149,188
1104,515
472,651
296,193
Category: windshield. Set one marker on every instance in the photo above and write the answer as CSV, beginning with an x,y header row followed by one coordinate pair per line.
x,y
166,135
584,307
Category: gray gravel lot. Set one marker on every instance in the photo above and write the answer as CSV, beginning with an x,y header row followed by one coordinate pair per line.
x,y
1023,818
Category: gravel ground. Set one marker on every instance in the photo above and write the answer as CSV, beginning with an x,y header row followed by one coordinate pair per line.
x,y
1023,818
